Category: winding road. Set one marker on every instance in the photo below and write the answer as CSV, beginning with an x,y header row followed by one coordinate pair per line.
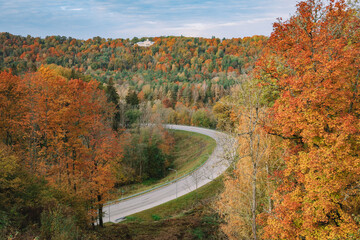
x,y
216,164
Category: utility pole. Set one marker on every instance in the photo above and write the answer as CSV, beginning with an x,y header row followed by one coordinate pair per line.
x,y
175,179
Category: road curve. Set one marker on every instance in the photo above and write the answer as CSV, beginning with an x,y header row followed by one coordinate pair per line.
x,y
216,164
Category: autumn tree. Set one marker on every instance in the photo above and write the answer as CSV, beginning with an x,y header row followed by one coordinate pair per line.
x,y
317,113
222,112
68,135
99,145
12,109
247,187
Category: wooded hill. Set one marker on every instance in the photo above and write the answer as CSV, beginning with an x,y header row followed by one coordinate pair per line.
x,y
194,71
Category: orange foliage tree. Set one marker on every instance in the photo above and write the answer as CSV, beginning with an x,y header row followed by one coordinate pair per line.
x,y
66,134
12,94
312,61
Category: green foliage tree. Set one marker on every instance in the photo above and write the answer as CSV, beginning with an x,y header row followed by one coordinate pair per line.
x,y
202,118
132,98
132,116
156,161
148,154
113,97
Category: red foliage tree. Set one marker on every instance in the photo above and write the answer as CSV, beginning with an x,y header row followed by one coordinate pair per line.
x,y
312,61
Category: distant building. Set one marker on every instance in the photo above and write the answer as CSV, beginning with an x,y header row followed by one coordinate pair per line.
x,y
146,43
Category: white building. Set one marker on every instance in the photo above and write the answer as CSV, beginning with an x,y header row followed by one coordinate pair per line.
x,y
146,43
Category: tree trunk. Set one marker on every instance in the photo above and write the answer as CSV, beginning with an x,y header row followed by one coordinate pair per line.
x,y
268,186
100,212
253,225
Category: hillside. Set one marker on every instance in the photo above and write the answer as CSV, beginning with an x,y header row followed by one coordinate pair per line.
x,y
194,71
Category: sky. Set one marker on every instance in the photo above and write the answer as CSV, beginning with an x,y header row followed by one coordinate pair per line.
x,y
85,19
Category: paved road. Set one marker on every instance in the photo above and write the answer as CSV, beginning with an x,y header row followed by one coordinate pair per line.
x,y
217,163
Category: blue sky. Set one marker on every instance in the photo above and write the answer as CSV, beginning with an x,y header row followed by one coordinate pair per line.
x,y
128,18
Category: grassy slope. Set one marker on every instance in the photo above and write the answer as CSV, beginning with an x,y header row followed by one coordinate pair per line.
x,y
181,205
190,151
188,217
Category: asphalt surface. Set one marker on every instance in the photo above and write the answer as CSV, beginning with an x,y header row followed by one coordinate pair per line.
x,y
216,164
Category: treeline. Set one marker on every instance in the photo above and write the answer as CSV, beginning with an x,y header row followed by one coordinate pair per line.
x,y
298,122
194,71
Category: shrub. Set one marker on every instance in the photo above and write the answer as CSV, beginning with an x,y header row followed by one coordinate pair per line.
x,y
56,225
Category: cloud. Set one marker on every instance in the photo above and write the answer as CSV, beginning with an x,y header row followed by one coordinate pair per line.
x,y
65,8
203,26
76,9
150,22
129,18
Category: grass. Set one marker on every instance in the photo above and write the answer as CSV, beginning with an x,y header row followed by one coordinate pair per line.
x,y
188,217
182,205
191,226
191,150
